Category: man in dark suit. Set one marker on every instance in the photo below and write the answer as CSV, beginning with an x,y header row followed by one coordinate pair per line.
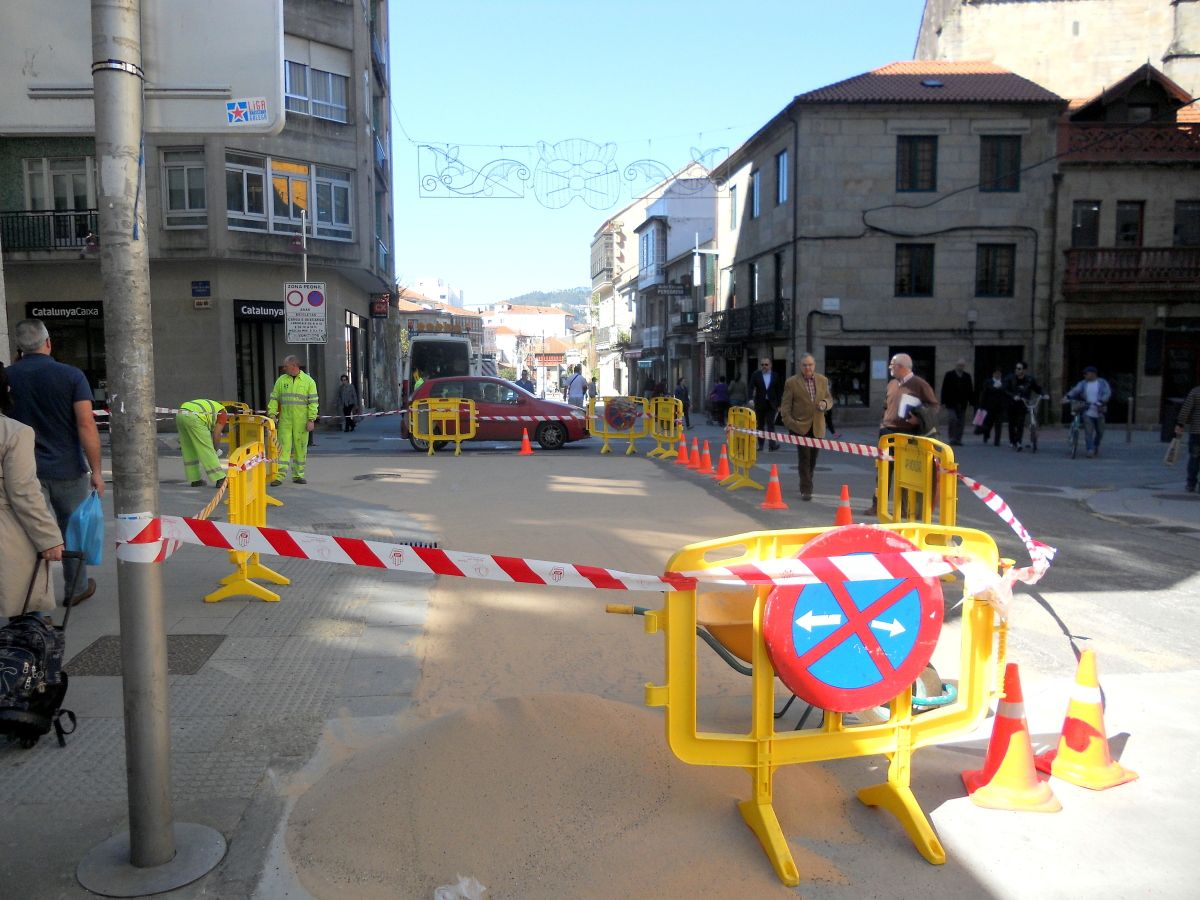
x,y
766,393
958,392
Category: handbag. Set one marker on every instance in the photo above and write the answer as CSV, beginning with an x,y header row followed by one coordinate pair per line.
x,y
85,530
980,417
1172,452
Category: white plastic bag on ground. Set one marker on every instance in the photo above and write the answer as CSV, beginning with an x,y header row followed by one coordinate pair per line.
x,y
466,889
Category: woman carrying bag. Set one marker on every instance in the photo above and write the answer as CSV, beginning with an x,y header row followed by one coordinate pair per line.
x,y
28,531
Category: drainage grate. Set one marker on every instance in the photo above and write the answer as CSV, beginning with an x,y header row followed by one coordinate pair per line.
x,y
380,476
1037,489
186,654
424,545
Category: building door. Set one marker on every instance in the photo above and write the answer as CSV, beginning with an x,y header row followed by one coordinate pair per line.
x,y
357,356
1114,353
258,349
1181,371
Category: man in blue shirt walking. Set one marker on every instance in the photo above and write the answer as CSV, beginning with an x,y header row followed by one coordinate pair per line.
x,y
55,400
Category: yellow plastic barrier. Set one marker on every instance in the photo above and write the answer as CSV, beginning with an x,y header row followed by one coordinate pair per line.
x,y
621,418
666,425
923,480
743,448
245,428
443,419
247,499
762,750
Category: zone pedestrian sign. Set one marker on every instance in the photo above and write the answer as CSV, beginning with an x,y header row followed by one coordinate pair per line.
x,y
304,313
849,645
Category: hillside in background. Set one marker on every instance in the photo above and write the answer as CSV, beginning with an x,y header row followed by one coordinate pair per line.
x,y
570,298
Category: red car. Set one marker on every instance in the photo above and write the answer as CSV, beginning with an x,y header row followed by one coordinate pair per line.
x,y
504,410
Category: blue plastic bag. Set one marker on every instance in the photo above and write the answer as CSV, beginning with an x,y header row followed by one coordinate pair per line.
x,y
85,530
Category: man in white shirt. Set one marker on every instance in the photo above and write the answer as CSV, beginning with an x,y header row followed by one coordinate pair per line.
x,y
577,387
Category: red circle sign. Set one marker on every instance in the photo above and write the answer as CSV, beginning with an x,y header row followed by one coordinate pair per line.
x,y
849,645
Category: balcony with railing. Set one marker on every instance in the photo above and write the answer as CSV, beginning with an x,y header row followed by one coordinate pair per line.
x,y
1132,269
49,230
379,58
611,337
770,319
381,161
1106,142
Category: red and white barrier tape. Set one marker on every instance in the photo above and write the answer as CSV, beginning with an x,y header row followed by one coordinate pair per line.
x,y
820,443
145,539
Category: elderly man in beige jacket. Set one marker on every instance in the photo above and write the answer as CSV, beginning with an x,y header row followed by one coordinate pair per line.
x,y
806,397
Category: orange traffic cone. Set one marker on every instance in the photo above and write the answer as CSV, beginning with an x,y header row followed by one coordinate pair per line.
x,y
526,450
723,465
844,515
774,493
705,462
1082,756
681,458
694,462
1008,779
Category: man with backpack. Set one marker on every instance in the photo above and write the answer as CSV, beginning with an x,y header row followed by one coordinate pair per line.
x,y
577,387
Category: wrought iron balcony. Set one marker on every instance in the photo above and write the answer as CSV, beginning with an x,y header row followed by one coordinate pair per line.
x,y
1105,142
773,318
50,230
1132,269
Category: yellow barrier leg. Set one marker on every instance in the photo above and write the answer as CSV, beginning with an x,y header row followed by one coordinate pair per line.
x,y
896,796
238,583
760,816
255,569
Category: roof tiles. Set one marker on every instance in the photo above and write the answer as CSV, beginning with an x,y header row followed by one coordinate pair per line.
x,y
933,81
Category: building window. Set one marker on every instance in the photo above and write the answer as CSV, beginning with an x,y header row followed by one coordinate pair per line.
x,y
1085,223
1000,162
753,270
916,163
733,210
1187,223
316,79
295,87
778,276
755,194
914,270
184,197
994,269
245,191
333,203
63,184
1130,214
293,185
781,177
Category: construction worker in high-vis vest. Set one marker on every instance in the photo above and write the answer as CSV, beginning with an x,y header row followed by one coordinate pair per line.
x,y
199,423
294,407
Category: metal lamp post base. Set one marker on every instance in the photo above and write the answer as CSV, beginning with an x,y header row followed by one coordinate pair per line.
x,y
106,870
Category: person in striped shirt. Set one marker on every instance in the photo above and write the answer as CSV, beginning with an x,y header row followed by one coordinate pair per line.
x,y
1189,424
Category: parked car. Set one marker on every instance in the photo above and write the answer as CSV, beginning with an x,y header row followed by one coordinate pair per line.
x,y
496,402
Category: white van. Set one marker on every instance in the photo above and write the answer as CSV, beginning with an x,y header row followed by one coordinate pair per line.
x,y
436,355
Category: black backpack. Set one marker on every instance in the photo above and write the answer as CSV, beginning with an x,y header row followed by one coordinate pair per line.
x,y
32,681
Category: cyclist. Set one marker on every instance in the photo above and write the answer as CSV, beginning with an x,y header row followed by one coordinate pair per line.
x,y
1021,390
1095,392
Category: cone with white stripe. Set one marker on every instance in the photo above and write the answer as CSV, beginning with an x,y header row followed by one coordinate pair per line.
x,y
1082,756
774,499
681,458
1008,779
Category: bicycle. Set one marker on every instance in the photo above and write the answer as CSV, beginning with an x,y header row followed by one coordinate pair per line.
x,y
1077,408
1031,406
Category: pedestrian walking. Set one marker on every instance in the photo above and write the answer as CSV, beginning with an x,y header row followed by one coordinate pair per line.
x,y
992,400
737,391
576,388
348,400
906,392
199,424
958,392
1021,389
718,401
806,399
28,531
682,394
293,405
766,393
1095,392
524,383
55,400
1189,424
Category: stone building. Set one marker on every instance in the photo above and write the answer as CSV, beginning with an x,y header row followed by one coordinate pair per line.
x,y
224,214
905,209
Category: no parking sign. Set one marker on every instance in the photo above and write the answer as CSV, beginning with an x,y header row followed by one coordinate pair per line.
x,y
848,645
304,312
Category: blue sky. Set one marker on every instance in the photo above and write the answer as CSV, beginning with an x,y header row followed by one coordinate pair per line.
x,y
655,78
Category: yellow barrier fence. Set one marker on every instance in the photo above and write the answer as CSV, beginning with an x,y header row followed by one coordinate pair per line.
x,y
247,499
666,425
245,428
619,418
438,420
743,448
762,750
921,485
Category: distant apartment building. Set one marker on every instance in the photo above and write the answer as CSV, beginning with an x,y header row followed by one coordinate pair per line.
x,y
225,214
901,210
548,321
438,289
